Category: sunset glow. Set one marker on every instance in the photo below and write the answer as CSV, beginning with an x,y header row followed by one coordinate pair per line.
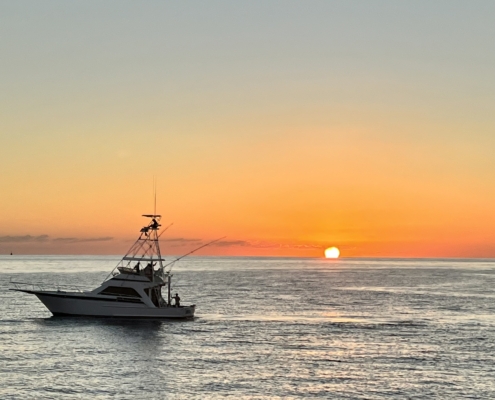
x,y
355,123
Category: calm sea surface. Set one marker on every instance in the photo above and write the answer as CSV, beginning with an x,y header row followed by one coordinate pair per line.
x,y
265,329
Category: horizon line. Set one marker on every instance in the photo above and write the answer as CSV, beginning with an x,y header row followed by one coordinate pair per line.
x,y
265,256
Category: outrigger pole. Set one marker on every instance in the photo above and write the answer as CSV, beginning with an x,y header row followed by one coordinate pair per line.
x,y
200,247
169,275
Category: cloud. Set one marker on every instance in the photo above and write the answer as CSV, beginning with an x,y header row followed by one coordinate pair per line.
x,y
82,240
23,239
227,243
176,242
304,246
266,245
181,240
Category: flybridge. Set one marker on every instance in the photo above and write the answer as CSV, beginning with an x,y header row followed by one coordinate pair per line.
x,y
146,249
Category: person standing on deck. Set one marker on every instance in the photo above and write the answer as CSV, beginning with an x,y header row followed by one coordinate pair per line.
x,y
177,300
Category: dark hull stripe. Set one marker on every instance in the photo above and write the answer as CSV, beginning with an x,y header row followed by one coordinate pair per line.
x,y
118,300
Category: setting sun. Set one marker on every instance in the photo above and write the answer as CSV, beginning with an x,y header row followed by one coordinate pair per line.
x,y
332,252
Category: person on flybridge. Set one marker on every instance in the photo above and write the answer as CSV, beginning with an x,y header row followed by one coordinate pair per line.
x,y
148,270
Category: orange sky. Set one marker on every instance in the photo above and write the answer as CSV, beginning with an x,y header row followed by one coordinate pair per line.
x,y
369,129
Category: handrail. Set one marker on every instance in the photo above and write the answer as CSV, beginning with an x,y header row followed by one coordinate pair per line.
x,y
45,286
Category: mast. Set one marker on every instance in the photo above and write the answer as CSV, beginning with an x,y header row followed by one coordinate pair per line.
x,y
154,192
154,244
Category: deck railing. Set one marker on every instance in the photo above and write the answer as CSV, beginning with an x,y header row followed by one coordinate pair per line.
x,y
55,287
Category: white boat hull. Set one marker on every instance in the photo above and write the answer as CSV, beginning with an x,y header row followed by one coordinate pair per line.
x,y
65,304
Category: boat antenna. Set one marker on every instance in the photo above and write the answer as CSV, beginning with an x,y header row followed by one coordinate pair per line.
x,y
154,192
200,247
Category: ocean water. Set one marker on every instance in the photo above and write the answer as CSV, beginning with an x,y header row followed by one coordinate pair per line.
x,y
266,328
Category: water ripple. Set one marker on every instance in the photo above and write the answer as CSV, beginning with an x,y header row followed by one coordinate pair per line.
x,y
266,329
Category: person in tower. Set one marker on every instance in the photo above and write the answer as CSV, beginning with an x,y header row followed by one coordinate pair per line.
x,y
154,224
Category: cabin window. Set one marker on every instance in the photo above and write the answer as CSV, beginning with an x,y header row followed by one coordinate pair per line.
x,y
120,291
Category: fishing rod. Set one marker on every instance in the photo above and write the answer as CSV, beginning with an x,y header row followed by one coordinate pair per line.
x,y
200,247
165,230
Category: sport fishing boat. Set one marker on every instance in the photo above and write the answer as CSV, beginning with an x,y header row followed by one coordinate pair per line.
x,y
132,290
